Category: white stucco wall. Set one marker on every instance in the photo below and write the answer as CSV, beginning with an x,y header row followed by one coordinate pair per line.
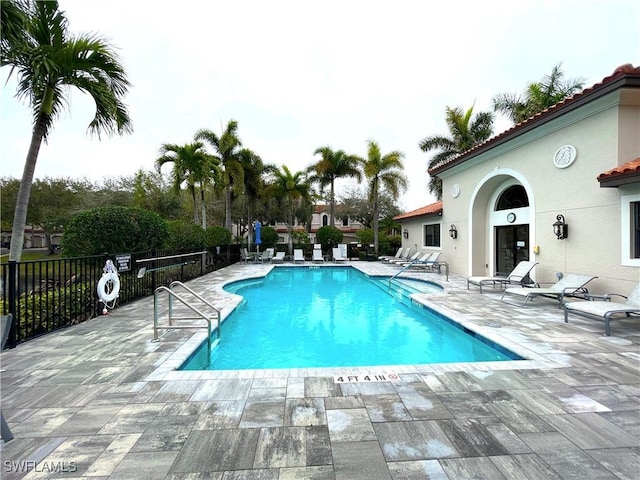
x,y
592,213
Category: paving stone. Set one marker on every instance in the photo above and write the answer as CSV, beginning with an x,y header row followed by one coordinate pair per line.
x,y
305,412
359,461
318,446
264,394
210,390
419,440
260,474
113,455
281,447
307,473
217,450
471,438
480,468
386,408
175,391
589,430
467,404
524,466
143,465
263,414
220,415
321,387
417,470
565,458
336,403
350,425
132,418
88,420
623,462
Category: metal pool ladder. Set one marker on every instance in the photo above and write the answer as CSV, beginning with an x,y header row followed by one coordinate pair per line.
x,y
200,315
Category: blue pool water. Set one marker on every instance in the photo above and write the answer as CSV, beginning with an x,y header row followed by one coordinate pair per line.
x,y
300,317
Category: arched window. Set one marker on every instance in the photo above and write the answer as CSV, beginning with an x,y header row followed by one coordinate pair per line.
x,y
513,197
325,220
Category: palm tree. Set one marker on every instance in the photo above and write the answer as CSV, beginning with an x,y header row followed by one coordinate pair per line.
x,y
253,170
465,133
538,96
293,189
383,171
191,164
48,61
331,166
226,148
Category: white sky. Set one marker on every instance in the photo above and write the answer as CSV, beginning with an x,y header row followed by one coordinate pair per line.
x,y
300,75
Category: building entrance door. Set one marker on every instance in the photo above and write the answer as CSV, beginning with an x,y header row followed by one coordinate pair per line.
x,y
512,246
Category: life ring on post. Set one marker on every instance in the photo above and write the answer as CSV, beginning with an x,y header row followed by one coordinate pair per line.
x,y
108,286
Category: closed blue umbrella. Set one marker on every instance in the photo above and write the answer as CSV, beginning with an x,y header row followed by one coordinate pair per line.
x,y
257,227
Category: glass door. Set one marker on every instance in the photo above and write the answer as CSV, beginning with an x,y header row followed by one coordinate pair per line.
x,y
512,246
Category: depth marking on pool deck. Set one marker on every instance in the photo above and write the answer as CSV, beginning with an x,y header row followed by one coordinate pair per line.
x,y
366,378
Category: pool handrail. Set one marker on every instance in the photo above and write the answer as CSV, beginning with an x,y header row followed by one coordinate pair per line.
x,y
200,314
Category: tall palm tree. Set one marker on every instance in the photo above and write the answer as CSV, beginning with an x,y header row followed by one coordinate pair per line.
x,y
465,132
538,96
383,171
191,164
253,182
48,61
333,165
293,189
227,148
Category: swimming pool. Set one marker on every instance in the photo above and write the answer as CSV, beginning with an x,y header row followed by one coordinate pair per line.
x,y
301,317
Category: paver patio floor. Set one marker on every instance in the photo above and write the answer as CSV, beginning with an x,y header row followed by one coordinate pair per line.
x,y
100,400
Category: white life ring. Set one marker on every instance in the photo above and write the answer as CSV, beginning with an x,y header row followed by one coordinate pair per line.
x,y
108,287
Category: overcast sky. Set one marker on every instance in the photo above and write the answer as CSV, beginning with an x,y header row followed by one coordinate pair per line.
x,y
299,75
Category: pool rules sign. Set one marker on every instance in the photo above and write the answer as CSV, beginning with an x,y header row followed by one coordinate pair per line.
x,y
367,378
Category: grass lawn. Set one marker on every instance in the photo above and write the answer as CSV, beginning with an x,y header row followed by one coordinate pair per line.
x,y
27,256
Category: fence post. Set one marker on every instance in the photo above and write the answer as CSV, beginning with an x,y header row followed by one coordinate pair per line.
x,y
12,287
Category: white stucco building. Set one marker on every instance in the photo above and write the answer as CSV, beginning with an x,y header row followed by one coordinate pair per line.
x,y
577,162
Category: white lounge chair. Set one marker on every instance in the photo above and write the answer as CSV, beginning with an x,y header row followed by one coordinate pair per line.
x,y
430,263
406,259
386,258
422,257
570,284
317,256
297,255
517,275
338,256
278,257
604,309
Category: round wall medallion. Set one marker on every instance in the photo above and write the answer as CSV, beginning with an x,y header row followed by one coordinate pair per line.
x,y
564,156
455,190
511,217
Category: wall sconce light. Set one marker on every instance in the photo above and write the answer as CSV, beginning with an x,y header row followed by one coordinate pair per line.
x,y
405,234
453,232
560,228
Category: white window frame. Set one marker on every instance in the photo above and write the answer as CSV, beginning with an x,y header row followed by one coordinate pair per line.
x,y
625,230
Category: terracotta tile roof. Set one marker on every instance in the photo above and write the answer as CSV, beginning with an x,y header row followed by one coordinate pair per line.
x,y
623,174
624,75
433,209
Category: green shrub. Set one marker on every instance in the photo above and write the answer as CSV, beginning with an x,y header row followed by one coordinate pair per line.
x,y
328,237
269,237
300,236
113,230
184,235
365,236
217,236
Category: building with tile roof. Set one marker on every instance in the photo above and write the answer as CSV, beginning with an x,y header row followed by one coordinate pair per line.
x,y
576,163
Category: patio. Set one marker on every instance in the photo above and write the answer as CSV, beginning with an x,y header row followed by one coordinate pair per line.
x,y
100,400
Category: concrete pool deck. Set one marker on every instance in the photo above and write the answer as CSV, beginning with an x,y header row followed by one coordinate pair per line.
x,y
100,400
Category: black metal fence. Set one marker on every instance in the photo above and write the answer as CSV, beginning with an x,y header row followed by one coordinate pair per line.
x,y
46,295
